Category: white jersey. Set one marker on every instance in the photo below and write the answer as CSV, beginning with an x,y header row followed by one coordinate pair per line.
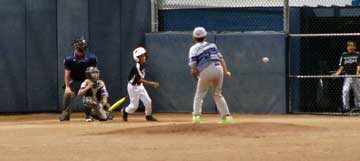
x,y
202,54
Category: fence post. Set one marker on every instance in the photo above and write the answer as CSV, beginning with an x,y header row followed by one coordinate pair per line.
x,y
286,16
154,16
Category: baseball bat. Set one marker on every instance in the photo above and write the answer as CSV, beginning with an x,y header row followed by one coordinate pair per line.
x,y
117,104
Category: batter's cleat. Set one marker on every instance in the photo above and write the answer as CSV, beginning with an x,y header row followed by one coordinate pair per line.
x,y
226,119
196,119
64,118
124,115
150,118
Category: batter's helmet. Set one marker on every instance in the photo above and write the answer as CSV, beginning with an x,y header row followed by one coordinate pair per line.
x,y
137,52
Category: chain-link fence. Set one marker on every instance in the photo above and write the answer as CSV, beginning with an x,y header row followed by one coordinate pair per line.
x,y
185,4
315,85
196,4
330,20
235,15
314,57
219,15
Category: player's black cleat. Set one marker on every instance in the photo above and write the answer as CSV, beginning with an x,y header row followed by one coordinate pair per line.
x,y
150,118
64,118
124,115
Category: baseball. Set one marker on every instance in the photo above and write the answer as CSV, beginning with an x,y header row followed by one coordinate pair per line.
x,y
265,59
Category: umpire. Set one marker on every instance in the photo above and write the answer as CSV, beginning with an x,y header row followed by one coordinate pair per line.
x,y
75,66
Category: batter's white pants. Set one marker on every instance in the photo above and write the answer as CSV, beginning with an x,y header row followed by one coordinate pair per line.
x,y
136,93
211,76
350,83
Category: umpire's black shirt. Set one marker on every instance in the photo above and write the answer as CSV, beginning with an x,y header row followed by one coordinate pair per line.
x,y
77,65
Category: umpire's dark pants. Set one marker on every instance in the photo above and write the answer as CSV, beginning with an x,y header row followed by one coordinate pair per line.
x,y
67,100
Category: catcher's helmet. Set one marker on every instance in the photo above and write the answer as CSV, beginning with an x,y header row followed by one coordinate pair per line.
x,y
92,73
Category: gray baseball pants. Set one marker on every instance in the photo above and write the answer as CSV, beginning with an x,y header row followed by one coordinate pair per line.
x,y
97,111
350,83
212,75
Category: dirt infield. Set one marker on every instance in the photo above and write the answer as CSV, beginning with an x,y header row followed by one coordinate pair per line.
x,y
40,137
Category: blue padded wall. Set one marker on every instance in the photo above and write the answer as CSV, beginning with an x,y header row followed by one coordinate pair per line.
x,y
255,87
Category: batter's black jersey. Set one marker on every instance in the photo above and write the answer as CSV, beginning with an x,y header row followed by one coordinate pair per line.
x,y
136,74
350,62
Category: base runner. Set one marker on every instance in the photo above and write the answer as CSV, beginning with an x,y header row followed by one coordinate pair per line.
x,y
136,88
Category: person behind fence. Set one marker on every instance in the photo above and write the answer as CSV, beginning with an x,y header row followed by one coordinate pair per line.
x,y
75,66
95,96
349,65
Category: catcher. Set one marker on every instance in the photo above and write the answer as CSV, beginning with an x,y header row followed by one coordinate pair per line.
x,y
95,96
